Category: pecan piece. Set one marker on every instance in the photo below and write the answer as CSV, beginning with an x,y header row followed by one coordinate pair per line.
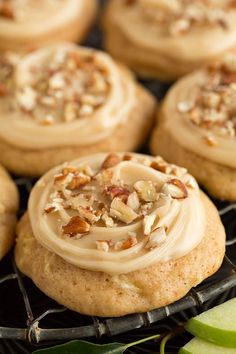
x,y
119,192
110,161
122,212
76,226
176,189
146,190
78,181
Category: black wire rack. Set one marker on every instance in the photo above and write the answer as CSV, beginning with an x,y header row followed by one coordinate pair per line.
x,y
30,320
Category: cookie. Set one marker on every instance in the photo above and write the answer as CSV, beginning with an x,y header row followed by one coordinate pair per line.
x,y
29,24
8,209
196,127
167,39
65,101
114,234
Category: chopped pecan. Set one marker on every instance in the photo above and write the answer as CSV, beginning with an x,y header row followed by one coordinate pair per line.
x,y
78,181
102,245
122,212
6,10
76,226
130,242
156,238
110,161
119,192
133,201
3,89
176,189
146,190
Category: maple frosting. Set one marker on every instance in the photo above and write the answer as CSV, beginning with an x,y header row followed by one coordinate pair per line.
x,y
64,94
200,112
117,213
21,17
175,26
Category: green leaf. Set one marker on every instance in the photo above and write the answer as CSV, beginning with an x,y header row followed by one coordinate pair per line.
x,y
83,347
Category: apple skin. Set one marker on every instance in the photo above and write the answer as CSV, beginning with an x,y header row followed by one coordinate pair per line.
x,y
219,336
199,346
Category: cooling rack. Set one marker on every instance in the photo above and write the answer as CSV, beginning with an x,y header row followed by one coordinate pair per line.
x,y
30,320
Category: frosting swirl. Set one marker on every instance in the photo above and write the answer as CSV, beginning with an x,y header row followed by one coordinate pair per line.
x,y
20,16
64,95
117,213
200,112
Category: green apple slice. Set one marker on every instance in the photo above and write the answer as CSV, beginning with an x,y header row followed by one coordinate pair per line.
x,y
217,325
199,346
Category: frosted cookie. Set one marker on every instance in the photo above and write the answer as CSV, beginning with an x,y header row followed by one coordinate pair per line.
x,y
65,101
113,234
26,24
166,39
8,209
197,127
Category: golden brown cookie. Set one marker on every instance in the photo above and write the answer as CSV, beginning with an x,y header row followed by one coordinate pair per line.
x,y
110,235
68,101
8,209
30,24
166,39
196,127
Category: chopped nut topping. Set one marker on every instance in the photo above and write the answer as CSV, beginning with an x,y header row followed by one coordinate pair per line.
x,y
67,85
176,189
110,161
214,107
210,140
78,181
130,242
76,226
146,190
156,238
177,18
115,205
119,192
149,223
102,246
6,10
133,201
122,212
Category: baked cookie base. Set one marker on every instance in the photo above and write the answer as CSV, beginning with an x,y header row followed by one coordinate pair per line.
x,y
218,180
8,209
100,294
126,137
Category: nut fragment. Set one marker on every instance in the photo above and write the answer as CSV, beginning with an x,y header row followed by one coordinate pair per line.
x,y
110,161
156,238
79,181
119,192
102,246
130,242
133,201
146,190
210,140
76,226
176,189
179,27
150,223
122,212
